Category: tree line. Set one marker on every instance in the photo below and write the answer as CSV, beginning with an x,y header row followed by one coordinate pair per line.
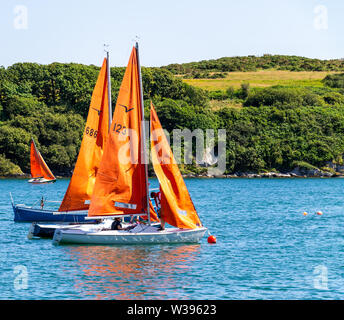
x,y
276,127
218,68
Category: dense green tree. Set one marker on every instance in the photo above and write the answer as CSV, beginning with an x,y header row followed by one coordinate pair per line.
x,y
23,106
333,98
15,145
279,96
334,80
8,168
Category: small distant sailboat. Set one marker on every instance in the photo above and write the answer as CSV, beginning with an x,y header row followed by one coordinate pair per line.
x,y
76,200
40,171
121,187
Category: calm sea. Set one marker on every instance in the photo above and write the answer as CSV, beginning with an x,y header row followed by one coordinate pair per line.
x,y
266,249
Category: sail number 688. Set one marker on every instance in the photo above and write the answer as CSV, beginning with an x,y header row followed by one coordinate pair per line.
x,y
91,132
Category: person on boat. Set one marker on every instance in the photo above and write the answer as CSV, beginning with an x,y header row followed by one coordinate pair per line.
x,y
117,225
157,197
162,224
42,203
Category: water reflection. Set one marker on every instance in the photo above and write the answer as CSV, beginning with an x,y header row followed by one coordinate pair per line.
x,y
134,272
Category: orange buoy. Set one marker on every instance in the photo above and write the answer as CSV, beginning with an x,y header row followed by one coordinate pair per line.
x,y
305,213
211,239
319,213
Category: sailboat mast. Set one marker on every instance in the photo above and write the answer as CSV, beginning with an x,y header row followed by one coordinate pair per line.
x,y
143,140
34,143
109,87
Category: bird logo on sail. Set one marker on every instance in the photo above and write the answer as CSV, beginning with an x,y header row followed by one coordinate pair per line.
x,y
99,111
126,108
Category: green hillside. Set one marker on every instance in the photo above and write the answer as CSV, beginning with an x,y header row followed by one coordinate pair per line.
x,y
275,119
218,67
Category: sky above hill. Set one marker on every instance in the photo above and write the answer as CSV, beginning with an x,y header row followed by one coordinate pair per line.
x,y
175,31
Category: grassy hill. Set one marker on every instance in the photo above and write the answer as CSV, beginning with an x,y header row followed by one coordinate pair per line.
x,y
263,78
267,70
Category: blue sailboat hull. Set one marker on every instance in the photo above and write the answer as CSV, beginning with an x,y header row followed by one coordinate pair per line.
x,y
27,214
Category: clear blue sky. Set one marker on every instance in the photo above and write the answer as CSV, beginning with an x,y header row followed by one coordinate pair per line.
x,y
174,31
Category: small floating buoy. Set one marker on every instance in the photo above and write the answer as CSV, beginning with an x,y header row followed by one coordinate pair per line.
x,y
305,213
319,213
211,239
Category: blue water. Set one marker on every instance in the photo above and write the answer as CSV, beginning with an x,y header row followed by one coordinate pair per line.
x,y
266,249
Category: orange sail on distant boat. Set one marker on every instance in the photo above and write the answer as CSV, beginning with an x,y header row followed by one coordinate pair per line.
x,y
81,185
40,172
121,187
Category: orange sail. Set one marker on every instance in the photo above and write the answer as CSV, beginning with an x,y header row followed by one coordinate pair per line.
x,y
81,185
177,208
153,215
121,180
39,168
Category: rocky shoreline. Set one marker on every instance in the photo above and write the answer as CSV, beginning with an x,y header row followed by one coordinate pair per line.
x,y
222,176
263,175
296,173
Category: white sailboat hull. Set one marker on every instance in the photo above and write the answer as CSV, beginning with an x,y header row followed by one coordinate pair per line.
x,y
47,230
41,180
147,235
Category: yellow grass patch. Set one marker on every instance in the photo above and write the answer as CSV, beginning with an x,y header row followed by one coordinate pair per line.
x,y
262,78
